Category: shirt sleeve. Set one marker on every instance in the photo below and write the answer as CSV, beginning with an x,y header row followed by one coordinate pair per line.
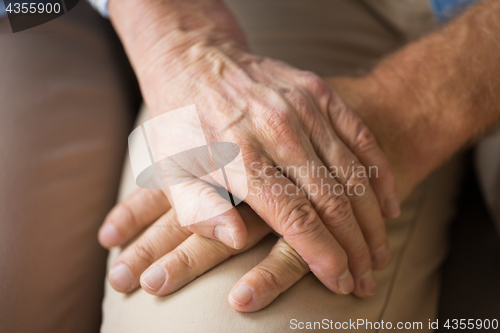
x,y
101,6
444,10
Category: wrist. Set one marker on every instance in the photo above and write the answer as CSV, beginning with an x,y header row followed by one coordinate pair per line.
x,y
168,39
154,29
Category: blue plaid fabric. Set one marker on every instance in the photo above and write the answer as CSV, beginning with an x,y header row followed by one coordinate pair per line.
x,y
445,10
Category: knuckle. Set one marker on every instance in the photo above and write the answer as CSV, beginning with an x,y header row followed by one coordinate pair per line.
x,y
145,251
280,126
357,176
250,153
359,254
338,107
264,192
364,139
358,185
183,257
300,218
125,216
315,84
299,100
267,188
290,257
272,280
339,211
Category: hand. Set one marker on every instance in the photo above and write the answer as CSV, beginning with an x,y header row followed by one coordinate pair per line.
x,y
166,256
398,85
279,117
185,256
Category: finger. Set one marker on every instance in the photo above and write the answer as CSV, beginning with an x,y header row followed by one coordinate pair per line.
x,y
195,256
333,205
280,270
365,206
358,137
163,236
225,228
355,178
288,211
349,172
131,215
203,208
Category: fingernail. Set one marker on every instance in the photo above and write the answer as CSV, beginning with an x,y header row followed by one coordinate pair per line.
x,y
392,208
109,236
242,294
224,234
121,278
346,283
368,283
154,277
381,257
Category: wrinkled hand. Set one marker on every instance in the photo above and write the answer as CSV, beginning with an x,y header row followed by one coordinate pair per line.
x,y
284,120
280,117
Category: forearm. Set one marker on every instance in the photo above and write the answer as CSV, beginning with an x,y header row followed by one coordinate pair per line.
x,y
156,33
434,96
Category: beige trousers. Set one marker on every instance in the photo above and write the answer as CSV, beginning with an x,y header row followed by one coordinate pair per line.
x,y
329,37
65,114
